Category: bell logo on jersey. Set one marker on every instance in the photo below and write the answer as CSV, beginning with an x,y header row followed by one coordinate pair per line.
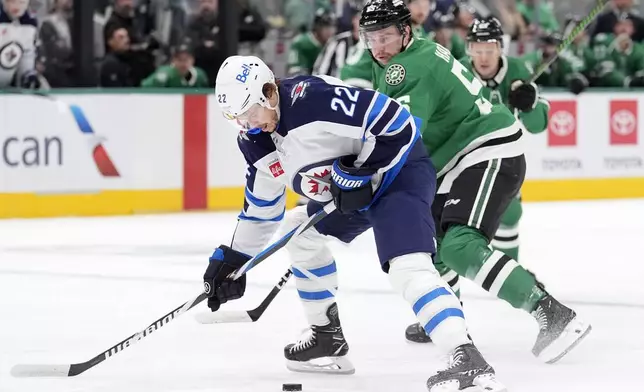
x,y
562,124
276,168
623,122
243,75
298,91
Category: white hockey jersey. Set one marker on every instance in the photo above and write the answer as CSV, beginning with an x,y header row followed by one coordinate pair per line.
x,y
17,47
321,119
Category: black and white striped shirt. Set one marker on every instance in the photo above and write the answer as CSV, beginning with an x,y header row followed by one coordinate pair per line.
x,y
334,55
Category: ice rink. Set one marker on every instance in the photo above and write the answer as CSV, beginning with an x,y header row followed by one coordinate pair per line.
x,y
71,288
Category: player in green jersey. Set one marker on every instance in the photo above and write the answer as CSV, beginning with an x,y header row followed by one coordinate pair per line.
x,y
498,73
477,150
306,47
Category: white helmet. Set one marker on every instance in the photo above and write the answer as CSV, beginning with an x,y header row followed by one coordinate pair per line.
x,y
239,85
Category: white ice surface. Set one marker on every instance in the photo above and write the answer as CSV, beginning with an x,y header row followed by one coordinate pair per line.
x,y
70,288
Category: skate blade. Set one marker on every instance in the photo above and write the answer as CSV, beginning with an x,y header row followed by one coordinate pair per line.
x,y
572,335
328,365
483,383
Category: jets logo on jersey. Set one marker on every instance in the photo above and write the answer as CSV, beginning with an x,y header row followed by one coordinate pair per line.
x,y
395,74
10,55
314,182
318,187
298,91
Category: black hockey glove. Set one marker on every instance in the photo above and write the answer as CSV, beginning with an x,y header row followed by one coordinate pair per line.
x,y
350,187
523,96
577,85
636,82
217,286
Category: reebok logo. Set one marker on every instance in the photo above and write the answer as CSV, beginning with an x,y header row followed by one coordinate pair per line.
x,y
452,202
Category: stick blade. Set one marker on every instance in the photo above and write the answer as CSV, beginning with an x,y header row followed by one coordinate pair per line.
x,y
40,370
222,316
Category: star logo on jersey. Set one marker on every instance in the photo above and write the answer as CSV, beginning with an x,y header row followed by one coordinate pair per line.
x,y
395,74
298,91
318,187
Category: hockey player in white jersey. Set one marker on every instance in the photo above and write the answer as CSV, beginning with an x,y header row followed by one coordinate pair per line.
x,y
18,34
361,151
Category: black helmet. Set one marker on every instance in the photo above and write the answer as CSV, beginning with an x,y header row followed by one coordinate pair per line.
x,y
323,18
485,30
380,14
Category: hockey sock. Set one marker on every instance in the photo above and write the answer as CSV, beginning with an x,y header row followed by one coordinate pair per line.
x,y
506,238
465,250
436,307
310,255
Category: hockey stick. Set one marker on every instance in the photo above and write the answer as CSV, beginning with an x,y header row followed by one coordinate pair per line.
x,y
74,369
69,370
568,40
312,221
244,316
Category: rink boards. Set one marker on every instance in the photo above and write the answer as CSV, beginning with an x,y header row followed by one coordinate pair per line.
x,y
103,153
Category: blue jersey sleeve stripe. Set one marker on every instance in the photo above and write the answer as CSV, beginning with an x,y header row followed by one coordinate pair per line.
x,y
400,121
376,109
261,202
245,217
386,117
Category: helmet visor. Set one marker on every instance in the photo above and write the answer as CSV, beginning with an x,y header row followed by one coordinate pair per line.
x,y
247,120
374,39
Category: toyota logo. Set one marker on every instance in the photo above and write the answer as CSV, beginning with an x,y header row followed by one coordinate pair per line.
x,y
623,122
562,123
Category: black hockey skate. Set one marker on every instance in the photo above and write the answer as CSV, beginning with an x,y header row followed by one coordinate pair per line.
x,y
415,333
560,330
467,370
322,350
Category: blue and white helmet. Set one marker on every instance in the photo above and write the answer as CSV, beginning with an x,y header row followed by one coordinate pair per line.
x,y
239,85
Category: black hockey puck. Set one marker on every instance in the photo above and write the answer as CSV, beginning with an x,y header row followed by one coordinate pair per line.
x,y
291,387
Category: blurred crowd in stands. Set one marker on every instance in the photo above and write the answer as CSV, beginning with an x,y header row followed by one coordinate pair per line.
x,y
174,43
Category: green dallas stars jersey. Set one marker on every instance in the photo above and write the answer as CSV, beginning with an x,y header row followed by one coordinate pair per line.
x,y
497,91
460,128
304,50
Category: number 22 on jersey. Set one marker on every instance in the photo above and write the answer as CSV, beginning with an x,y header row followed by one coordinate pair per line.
x,y
340,102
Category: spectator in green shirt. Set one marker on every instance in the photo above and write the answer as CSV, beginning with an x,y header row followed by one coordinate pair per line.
x,y
546,17
181,73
